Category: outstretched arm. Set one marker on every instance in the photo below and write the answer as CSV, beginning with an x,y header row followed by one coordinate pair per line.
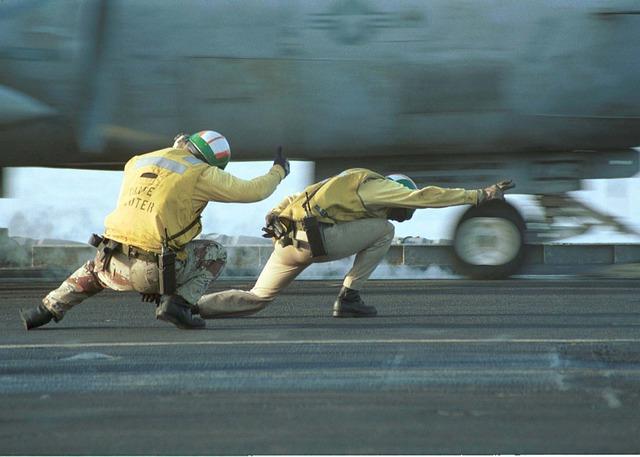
x,y
384,193
220,186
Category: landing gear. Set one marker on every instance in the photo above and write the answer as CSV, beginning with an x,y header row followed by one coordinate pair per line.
x,y
489,241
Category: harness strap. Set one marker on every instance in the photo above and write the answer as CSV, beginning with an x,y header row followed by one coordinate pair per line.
x,y
184,230
322,211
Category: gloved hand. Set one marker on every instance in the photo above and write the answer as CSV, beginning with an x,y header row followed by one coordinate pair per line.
x,y
273,227
494,192
281,160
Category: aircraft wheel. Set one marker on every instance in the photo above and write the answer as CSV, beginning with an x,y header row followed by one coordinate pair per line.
x,y
489,241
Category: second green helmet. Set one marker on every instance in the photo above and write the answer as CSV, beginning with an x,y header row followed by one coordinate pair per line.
x,y
404,180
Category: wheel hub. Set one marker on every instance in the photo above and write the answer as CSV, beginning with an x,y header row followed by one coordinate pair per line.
x,y
487,241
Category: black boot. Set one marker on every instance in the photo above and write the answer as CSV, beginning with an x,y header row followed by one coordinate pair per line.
x,y
36,317
349,304
175,309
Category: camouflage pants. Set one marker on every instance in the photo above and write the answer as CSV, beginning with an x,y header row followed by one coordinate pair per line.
x,y
203,264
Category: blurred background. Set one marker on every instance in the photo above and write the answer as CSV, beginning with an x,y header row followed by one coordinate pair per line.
x,y
454,93
80,205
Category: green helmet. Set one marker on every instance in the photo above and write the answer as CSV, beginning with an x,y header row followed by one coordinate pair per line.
x,y
404,180
213,146
397,213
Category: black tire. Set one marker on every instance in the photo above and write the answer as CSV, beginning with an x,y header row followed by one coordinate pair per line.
x,y
494,209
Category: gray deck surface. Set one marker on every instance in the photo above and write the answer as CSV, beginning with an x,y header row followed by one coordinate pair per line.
x,y
447,367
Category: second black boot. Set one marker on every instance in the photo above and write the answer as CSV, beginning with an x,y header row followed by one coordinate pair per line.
x,y
349,304
36,317
175,309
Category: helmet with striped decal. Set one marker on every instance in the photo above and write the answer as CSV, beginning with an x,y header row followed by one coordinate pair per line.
x,y
213,146
404,180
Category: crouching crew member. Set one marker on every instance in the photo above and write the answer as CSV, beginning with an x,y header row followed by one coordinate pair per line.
x,y
148,244
344,215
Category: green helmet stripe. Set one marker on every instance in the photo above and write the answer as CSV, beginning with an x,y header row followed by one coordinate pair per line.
x,y
403,180
203,147
205,141
406,183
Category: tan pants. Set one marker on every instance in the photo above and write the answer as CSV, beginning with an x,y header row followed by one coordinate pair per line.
x,y
368,239
203,264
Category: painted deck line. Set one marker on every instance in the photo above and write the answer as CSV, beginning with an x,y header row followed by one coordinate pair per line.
x,y
324,342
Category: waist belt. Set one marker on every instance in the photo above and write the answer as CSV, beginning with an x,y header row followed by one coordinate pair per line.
x,y
137,253
292,237
299,227
107,247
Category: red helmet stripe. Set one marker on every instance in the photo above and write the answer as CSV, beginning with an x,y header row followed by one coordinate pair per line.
x,y
216,138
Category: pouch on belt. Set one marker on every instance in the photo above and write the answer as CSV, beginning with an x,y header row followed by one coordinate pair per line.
x,y
167,269
311,226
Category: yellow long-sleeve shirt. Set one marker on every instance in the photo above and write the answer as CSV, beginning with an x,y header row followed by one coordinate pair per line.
x,y
361,193
164,192
219,186
384,193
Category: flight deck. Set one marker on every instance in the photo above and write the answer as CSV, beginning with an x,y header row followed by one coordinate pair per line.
x,y
448,366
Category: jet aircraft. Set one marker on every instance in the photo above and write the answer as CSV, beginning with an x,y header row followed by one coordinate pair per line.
x,y
450,92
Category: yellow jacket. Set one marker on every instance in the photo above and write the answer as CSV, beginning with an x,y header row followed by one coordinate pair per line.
x,y
359,193
168,190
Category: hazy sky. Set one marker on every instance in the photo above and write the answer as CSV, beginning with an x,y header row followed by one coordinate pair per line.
x,y
71,204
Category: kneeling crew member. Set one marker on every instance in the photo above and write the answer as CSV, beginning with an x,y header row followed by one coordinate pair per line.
x,y
148,244
352,211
